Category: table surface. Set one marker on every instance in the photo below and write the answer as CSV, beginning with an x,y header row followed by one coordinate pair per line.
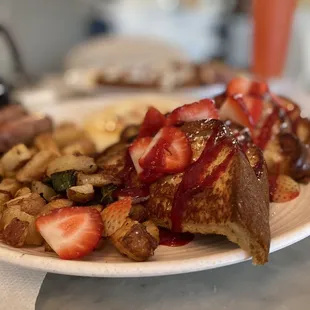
x,y
282,284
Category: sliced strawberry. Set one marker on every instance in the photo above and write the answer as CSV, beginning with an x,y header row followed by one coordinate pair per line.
x,y
169,152
244,86
203,109
254,106
234,109
71,232
152,122
283,188
137,149
114,216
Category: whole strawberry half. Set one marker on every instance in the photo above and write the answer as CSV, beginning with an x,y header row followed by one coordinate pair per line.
x,y
283,188
71,232
114,215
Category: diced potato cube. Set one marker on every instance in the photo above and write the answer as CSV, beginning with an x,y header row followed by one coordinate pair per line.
x,y
15,158
71,162
42,189
10,186
36,167
81,194
46,142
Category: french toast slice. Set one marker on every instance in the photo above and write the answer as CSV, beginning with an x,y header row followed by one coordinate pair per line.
x,y
220,194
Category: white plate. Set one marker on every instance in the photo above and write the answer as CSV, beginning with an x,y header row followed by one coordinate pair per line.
x,y
290,222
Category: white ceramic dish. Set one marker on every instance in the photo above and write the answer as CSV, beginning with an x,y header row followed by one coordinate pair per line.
x,y
290,223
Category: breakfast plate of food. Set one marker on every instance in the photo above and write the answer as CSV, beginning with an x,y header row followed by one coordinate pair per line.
x,y
183,188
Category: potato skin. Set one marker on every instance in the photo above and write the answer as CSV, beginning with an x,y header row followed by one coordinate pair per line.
x,y
71,162
138,213
31,203
46,191
81,194
15,158
36,167
10,186
15,233
56,204
33,237
98,179
134,241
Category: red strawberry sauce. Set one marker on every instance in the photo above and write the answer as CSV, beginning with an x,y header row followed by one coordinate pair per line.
x,y
173,239
266,130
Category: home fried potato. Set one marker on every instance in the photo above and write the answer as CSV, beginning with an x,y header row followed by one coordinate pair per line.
x,y
71,162
67,133
4,197
33,237
22,191
81,194
16,200
36,167
10,186
15,158
134,241
113,156
1,171
56,204
97,180
46,142
42,189
30,203
152,229
138,213
84,146
15,233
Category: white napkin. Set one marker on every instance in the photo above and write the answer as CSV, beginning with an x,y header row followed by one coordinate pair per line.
x,y
19,287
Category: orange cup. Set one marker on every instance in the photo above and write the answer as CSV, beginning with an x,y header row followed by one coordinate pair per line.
x,y
272,29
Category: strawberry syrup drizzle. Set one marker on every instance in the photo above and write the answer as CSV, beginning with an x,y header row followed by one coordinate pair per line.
x,y
131,189
194,181
174,239
125,174
266,130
